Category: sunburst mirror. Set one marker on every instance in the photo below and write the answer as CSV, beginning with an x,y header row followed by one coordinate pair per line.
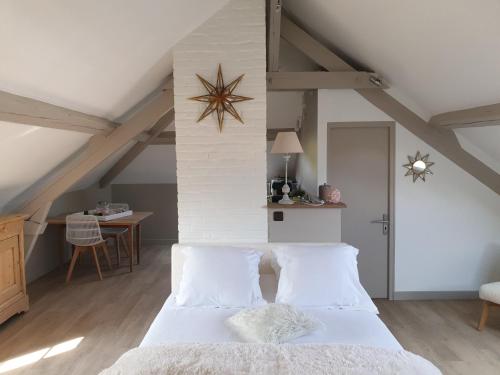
x,y
418,166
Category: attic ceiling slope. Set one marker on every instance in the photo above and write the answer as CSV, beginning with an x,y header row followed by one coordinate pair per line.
x,y
96,57
443,140
442,54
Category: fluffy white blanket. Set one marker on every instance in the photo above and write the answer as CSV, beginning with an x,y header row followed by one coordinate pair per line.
x,y
289,359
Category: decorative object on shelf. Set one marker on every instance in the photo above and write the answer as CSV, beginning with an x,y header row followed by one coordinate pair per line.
x,y
286,143
329,194
418,166
220,98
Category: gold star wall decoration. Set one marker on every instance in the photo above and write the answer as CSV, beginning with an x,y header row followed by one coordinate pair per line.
x,y
418,166
220,98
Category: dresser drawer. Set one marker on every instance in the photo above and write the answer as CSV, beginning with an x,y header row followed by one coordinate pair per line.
x,y
10,229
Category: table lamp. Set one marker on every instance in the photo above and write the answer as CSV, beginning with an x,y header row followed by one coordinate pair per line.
x,y
286,143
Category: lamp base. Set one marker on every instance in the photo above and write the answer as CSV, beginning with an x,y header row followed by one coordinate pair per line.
x,y
285,189
286,200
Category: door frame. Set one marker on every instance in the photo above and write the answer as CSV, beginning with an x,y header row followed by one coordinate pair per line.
x,y
392,216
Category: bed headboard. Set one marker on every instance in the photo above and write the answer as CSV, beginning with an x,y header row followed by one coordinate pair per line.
x,y
265,263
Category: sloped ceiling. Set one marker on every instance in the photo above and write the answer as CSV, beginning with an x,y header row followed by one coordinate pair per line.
x,y
104,57
483,143
28,153
443,54
437,56
98,57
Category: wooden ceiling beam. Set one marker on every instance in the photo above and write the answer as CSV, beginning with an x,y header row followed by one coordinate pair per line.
x,y
22,110
273,37
443,140
136,150
165,138
311,47
104,146
323,80
163,141
487,115
168,137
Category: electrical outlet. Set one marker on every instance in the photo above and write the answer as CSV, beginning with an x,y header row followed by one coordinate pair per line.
x,y
278,216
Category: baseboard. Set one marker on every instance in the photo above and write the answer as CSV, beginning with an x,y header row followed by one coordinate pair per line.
x,y
431,295
159,241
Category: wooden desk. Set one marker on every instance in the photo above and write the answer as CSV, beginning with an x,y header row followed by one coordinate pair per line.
x,y
132,223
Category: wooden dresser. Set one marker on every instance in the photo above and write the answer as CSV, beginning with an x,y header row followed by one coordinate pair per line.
x,y
13,297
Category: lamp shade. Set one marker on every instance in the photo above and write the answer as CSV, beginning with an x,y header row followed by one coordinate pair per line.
x,y
286,143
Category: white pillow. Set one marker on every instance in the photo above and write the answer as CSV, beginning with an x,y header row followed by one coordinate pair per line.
x,y
273,323
319,276
221,276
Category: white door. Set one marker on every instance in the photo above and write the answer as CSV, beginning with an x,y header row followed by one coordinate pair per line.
x,y
358,165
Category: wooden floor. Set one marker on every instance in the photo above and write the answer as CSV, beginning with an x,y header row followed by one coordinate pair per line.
x,y
112,316
445,333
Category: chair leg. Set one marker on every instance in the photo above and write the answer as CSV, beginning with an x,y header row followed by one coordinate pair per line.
x,y
484,316
96,261
106,255
75,256
125,244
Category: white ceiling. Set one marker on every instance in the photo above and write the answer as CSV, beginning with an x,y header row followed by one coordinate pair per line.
x,y
103,57
444,55
28,153
483,143
437,56
98,57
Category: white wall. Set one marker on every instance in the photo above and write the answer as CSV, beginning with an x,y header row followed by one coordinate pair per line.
x,y
222,176
447,230
155,165
284,110
307,164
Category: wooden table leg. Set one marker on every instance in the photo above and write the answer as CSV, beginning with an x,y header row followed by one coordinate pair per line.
x,y
131,245
62,249
138,242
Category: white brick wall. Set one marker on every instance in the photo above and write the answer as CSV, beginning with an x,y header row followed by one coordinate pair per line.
x,y
222,176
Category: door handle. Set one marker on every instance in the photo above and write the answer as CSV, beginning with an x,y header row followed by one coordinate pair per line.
x,y
385,221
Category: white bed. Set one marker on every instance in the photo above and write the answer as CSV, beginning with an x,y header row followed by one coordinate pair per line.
x,y
195,340
175,324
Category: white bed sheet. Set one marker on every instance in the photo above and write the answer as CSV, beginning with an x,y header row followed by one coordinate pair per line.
x,y
175,324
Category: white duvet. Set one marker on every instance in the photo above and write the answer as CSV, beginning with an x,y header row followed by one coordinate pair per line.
x,y
289,359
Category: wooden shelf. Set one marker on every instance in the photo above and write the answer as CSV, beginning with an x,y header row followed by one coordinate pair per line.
x,y
303,205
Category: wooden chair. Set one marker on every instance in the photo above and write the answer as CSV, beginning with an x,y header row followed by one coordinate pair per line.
x,y
490,294
117,234
84,233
